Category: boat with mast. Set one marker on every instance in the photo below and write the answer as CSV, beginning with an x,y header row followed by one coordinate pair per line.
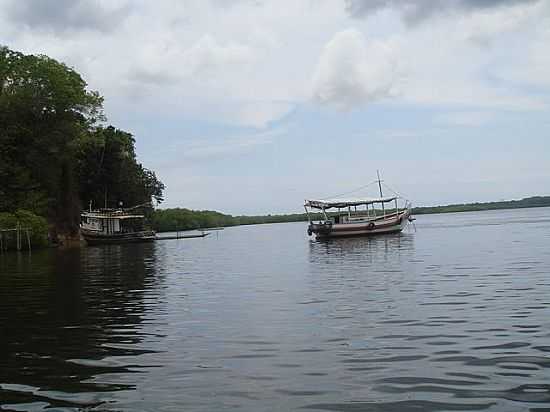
x,y
360,216
114,226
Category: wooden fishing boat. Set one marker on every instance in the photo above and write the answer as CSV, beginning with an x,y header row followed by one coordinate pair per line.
x,y
114,227
359,217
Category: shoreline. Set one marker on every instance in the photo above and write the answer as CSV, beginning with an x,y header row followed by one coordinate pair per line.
x,y
190,217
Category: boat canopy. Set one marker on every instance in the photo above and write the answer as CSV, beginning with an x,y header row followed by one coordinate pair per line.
x,y
330,203
99,215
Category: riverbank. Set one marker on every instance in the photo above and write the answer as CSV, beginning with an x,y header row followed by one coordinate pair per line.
x,y
170,220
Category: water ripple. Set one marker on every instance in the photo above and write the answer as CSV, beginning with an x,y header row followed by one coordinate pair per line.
x,y
263,318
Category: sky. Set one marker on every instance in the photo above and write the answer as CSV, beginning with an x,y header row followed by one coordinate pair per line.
x,y
252,106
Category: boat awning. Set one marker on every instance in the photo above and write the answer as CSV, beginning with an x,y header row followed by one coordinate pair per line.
x,y
330,203
110,216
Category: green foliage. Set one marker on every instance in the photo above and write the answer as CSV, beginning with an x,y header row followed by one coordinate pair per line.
x,y
109,171
44,108
254,220
27,220
170,220
53,155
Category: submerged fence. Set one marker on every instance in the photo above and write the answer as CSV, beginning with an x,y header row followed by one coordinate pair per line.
x,y
15,236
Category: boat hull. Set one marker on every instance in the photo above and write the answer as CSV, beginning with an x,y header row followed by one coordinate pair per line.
x,y
394,224
92,238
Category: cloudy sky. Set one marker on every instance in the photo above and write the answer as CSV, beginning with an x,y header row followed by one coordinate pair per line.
x,y
250,106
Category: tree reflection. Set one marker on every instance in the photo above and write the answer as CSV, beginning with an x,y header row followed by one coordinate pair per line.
x,y
69,316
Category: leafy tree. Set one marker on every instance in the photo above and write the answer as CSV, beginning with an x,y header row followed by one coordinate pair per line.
x,y
37,226
44,109
109,171
53,154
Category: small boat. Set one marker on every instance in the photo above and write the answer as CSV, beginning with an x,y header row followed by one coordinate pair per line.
x,y
360,216
109,226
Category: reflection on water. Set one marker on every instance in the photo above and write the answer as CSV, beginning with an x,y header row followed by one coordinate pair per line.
x,y
61,329
452,317
362,250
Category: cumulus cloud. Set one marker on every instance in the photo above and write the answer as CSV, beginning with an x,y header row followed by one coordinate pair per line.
x,y
249,62
415,11
353,70
159,64
534,72
151,76
207,54
66,15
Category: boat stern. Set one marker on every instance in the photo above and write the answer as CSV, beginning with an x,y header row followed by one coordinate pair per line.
x,y
322,228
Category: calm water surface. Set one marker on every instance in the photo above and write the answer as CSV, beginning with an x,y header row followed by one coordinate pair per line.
x,y
453,317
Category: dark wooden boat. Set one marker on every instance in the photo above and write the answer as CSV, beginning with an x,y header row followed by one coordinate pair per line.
x,y
114,227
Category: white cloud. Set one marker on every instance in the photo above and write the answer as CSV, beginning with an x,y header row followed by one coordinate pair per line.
x,y
440,63
486,26
63,16
535,65
432,65
353,70
207,56
414,12
165,61
253,55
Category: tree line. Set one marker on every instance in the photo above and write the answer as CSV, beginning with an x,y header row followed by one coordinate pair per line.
x,y
168,220
534,201
57,152
171,220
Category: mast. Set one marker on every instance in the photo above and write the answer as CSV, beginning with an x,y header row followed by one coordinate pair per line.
x,y
381,195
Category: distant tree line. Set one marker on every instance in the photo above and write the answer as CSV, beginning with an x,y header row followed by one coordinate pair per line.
x,y
56,152
535,201
167,220
171,220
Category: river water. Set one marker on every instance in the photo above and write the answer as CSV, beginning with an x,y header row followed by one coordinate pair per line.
x,y
452,317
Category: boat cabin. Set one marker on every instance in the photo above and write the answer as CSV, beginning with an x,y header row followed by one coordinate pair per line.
x,y
358,217
354,210
111,222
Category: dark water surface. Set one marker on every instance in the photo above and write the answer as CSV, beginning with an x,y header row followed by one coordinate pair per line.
x,y
454,317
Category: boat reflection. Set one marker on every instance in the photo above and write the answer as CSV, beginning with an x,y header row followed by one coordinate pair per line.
x,y
361,250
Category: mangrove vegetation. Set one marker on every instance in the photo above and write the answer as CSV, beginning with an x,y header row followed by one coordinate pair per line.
x,y
535,201
166,220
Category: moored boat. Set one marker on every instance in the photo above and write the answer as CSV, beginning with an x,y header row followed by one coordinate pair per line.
x,y
360,216
114,227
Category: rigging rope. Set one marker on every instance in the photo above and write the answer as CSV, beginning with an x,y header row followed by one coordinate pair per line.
x,y
347,193
395,192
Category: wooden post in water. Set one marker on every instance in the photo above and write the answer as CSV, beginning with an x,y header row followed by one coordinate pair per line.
x,y
18,238
28,239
